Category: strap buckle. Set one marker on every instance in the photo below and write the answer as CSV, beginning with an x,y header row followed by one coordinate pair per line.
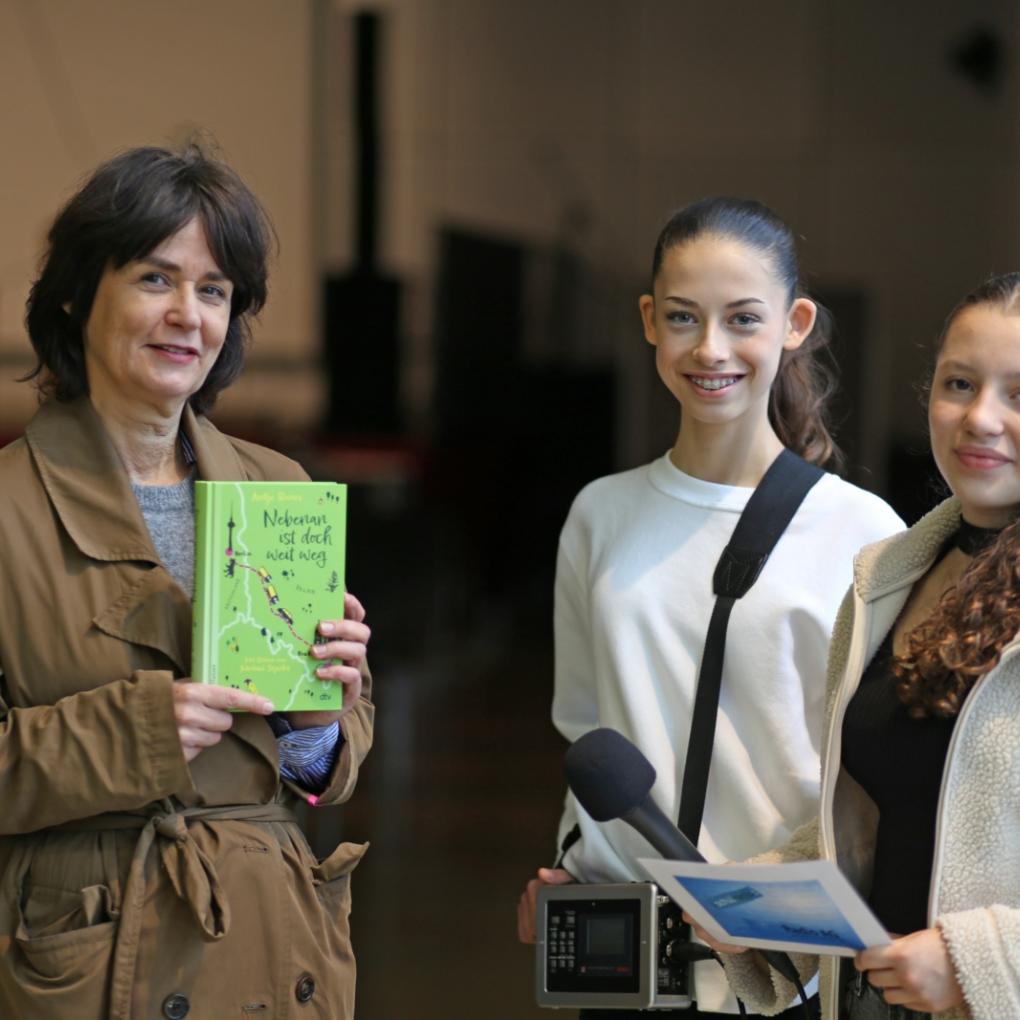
x,y
736,571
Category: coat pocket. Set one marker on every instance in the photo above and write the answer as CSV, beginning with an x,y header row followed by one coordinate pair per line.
x,y
325,953
331,875
64,947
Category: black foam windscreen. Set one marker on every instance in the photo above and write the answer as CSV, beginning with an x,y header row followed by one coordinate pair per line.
x,y
607,773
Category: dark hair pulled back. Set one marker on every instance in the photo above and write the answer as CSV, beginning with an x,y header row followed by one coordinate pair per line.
x,y
976,618
804,381
126,208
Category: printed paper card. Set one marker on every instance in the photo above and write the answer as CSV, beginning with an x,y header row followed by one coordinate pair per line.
x,y
804,906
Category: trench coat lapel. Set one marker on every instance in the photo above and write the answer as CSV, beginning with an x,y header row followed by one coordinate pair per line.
x,y
91,493
87,483
215,455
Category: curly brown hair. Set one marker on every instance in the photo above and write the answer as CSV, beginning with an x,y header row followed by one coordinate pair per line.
x,y
974,620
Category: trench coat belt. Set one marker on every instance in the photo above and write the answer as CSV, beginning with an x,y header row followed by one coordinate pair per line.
x,y
191,873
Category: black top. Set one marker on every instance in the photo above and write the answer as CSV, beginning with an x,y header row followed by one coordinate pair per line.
x,y
899,762
972,540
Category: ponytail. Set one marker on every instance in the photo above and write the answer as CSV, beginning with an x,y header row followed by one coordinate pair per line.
x,y
798,404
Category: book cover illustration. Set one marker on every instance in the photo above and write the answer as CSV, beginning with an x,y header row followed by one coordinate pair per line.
x,y
269,566
804,906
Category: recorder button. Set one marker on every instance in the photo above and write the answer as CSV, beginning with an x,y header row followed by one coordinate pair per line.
x,y
674,946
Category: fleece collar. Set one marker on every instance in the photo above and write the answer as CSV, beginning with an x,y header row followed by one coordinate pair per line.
x,y
900,559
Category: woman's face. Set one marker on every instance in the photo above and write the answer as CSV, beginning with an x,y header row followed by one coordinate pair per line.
x,y
157,325
974,413
719,322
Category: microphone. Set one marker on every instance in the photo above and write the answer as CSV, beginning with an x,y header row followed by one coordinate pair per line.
x,y
611,779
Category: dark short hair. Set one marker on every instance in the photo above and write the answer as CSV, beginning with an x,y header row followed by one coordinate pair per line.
x,y
126,208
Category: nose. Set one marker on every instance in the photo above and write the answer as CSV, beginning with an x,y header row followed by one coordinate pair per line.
x,y
711,348
184,311
984,415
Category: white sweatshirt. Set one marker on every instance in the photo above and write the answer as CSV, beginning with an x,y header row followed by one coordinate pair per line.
x,y
633,601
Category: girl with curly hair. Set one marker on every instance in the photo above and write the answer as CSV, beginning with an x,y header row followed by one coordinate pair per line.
x,y
920,801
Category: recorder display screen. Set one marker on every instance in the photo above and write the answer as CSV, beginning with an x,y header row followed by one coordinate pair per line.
x,y
593,945
606,941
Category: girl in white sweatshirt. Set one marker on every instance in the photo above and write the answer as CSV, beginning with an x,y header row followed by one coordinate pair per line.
x,y
736,343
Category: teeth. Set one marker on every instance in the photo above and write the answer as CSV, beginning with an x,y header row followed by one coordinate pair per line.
x,y
712,384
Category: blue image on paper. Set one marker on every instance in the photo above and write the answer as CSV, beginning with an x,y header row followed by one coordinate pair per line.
x,y
781,911
734,897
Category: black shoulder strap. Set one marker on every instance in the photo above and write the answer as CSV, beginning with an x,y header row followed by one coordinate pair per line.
x,y
768,512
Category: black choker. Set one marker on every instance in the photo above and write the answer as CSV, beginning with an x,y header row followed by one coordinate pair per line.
x,y
971,539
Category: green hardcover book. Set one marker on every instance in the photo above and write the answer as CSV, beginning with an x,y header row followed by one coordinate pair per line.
x,y
269,565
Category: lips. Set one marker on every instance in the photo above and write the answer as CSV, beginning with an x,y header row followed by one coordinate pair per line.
x,y
713,383
176,350
981,458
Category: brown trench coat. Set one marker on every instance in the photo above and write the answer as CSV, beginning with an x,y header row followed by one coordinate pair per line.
x,y
194,914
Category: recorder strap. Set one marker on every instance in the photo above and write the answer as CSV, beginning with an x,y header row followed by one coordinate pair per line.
x,y
766,516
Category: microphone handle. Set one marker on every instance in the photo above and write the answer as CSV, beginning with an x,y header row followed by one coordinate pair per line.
x,y
667,839
648,819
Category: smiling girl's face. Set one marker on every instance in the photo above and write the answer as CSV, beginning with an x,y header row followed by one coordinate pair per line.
x,y
974,413
157,325
719,320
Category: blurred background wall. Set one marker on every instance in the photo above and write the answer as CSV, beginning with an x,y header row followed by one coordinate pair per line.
x,y
453,322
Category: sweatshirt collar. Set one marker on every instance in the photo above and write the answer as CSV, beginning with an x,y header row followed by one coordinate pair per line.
x,y
668,479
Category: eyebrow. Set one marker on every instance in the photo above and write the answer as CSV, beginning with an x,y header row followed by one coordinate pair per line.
x,y
172,267
952,365
688,303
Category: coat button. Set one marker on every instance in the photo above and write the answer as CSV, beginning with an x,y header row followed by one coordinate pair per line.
x,y
176,1007
305,988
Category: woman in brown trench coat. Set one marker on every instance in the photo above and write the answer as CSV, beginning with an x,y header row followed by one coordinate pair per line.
x,y
150,865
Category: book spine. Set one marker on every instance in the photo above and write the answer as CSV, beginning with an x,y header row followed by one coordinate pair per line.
x,y
203,650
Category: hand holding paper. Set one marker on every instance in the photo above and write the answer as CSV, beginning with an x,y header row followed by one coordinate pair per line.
x,y
915,971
